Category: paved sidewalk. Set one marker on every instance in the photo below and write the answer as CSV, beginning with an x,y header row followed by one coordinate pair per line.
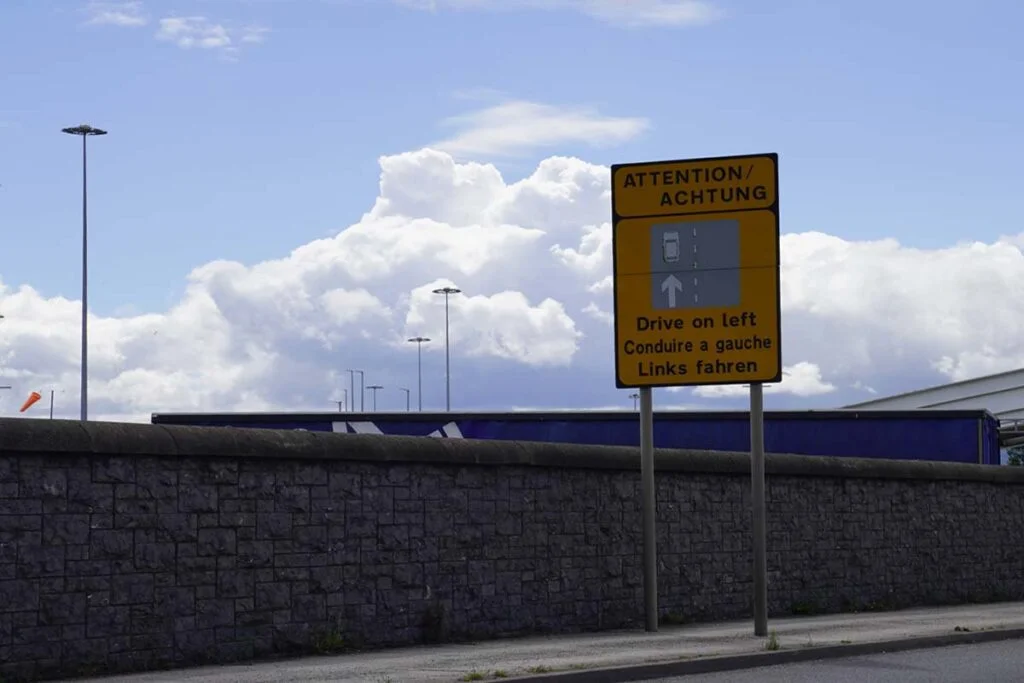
x,y
577,655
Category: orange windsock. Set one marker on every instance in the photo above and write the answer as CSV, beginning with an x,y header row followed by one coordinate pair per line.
x,y
32,398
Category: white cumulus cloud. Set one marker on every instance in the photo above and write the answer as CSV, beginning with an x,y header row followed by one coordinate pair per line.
x,y
187,32
190,32
618,12
253,33
517,127
115,13
198,32
531,325
800,379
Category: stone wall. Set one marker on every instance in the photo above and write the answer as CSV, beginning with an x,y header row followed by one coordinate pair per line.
x,y
126,547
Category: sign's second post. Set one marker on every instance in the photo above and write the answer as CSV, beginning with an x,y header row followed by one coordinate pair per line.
x,y
697,302
757,512
650,506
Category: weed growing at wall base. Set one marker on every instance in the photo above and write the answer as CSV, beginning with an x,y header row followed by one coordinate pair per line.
x,y
803,609
672,619
329,643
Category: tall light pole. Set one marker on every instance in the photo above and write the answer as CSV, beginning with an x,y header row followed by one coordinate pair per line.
x,y
85,131
406,397
352,385
635,397
447,355
374,388
362,392
419,341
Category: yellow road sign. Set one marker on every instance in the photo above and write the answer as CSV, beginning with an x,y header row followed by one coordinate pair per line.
x,y
696,272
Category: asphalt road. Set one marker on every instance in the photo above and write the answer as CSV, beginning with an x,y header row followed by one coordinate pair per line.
x,y
1000,662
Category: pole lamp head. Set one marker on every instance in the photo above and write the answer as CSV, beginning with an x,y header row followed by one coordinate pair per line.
x,y
83,130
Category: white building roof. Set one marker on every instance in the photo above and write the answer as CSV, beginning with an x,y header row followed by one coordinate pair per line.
x,y
1001,394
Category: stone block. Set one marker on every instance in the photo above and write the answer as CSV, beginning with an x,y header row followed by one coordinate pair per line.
x,y
105,621
273,525
216,542
197,498
19,595
216,612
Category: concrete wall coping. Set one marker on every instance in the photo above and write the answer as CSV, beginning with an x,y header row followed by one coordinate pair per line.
x,y
115,439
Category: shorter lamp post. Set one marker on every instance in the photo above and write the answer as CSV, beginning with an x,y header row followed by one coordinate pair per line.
x,y
343,402
362,391
419,341
447,291
374,388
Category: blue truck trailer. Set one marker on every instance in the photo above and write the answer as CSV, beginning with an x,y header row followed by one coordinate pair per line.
x,y
967,436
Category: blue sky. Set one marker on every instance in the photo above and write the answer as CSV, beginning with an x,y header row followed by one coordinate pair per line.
x,y
892,120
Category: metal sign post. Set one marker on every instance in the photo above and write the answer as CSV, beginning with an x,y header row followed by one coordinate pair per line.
x,y
650,503
757,512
